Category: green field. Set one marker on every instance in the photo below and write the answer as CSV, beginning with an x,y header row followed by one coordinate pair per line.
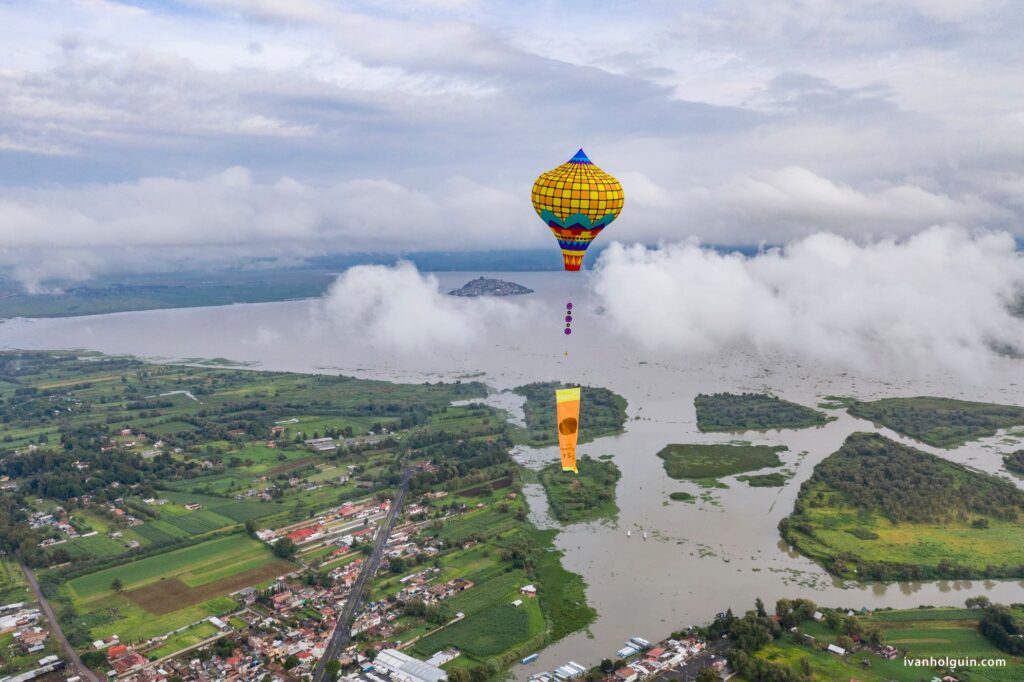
x,y
753,412
773,480
586,496
917,633
939,422
182,640
879,510
705,463
194,565
496,630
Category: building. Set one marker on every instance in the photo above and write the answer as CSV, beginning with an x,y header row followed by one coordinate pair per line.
x,y
405,668
837,649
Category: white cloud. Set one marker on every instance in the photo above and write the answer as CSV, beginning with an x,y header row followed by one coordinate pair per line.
x,y
399,309
938,299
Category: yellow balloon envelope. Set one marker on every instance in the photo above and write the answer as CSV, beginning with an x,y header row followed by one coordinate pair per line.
x,y
567,404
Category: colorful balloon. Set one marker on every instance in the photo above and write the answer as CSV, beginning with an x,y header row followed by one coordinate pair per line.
x,y
577,200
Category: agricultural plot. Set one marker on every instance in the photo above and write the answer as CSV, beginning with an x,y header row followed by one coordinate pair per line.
x,y
705,463
183,640
489,633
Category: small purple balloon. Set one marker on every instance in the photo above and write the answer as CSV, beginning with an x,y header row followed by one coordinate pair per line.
x,y
568,331
568,318
568,306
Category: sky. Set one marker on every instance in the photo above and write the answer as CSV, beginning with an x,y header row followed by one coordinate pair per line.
x,y
153,135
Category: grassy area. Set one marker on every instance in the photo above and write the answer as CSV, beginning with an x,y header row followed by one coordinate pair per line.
x,y
939,422
917,633
879,510
602,413
706,463
680,496
172,589
182,640
753,411
587,496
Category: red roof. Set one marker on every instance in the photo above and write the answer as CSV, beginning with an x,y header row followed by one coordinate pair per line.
x,y
117,650
656,652
364,531
302,533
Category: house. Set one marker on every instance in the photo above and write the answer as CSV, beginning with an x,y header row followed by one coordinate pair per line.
x,y
517,603
888,652
405,668
818,615
626,674
116,651
837,649
528,590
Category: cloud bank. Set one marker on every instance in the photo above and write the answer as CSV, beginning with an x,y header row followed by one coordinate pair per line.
x,y
398,309
939,298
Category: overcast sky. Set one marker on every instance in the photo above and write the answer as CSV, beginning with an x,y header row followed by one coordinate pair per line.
x,y
158,134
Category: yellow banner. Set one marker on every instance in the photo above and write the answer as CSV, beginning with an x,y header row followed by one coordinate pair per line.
x,y
567,402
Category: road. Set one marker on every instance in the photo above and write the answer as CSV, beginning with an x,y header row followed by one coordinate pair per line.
x,y
69,651
343,627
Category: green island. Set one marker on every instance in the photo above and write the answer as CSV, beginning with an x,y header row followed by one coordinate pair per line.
x,y
602,413
879,510
706,463
586,496
682,496
1014,462
939,422
772,480
803,642
151,498
753,412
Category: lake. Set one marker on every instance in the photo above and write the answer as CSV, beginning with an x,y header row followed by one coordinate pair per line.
x,y
698,558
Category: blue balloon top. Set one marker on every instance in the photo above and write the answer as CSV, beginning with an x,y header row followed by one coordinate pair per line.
x,y
580,157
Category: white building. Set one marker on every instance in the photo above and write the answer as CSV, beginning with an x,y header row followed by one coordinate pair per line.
x,y
405,668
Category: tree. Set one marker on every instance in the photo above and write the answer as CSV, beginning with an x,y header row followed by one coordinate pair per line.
x,y
250,527
116,585
290,662
455,674
759,605
607,666
285,548
333,668
708,674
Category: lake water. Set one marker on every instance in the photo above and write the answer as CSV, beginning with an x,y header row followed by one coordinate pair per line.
x,y
698,558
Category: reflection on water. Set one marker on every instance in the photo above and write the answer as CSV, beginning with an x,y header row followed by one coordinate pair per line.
x,y
722,551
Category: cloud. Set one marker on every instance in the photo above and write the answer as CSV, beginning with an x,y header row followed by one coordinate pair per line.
x,y
937,299
399,309
231,216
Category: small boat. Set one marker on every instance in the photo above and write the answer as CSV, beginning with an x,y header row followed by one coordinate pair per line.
x,y
529,659
645,535
629,533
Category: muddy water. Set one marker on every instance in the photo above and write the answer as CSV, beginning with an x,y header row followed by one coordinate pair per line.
x,y
698,558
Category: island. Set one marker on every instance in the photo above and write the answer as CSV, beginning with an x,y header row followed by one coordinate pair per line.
x,y
706,463
879,510
587,496
168,507
940,422
602,413
1014,462
484,286
753,411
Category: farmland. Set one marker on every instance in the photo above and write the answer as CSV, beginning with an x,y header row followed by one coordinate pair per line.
x,y
148,484
917,633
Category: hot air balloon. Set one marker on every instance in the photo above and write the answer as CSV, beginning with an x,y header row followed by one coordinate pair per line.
x,y
577,200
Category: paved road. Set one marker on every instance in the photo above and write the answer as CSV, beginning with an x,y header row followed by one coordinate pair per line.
x,y
69,651
343,627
